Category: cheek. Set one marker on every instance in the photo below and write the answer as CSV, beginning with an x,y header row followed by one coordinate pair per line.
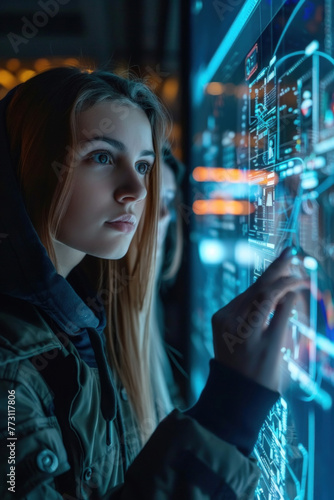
x,y
88,199
141,207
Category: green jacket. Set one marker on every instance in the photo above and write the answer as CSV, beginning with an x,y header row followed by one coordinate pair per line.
x,y
65,455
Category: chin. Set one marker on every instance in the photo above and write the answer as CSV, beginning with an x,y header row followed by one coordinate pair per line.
x,y
109,255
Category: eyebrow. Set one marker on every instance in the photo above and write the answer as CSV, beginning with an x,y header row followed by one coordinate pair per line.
x,y
119,145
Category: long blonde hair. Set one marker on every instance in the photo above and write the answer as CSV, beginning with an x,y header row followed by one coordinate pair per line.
x,y
41,121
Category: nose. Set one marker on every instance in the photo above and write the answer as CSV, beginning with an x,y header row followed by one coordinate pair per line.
x,y
131,187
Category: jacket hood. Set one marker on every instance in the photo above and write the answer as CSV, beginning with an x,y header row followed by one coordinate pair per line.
x,y
26,271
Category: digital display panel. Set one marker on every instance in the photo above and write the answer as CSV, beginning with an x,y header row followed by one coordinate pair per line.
x,y
262,158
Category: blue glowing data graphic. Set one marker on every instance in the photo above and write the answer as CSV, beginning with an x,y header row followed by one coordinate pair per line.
x,y
262,161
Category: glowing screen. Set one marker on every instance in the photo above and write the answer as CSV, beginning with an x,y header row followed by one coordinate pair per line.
x,y
262,157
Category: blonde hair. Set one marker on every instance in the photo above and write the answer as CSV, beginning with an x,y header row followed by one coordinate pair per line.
x,y
41,121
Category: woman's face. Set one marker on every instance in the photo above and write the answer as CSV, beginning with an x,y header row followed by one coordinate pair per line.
x,y
112,162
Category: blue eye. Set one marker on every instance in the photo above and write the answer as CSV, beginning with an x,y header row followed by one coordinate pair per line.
x,y
102,158
143,168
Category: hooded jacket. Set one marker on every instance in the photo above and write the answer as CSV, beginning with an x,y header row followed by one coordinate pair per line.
x,y
66,428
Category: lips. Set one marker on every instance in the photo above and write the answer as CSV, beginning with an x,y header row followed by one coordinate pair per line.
x,y
127,218
124,223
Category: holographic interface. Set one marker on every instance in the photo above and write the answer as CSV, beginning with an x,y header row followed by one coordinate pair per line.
x,y
262,162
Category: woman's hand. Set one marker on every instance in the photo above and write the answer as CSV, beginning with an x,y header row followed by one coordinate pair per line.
x,y
243,337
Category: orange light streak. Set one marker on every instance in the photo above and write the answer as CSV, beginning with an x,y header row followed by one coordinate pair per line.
x,y
214,88
233,175
223,207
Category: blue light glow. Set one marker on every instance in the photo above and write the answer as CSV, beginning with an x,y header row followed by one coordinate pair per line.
x,y
211,251
244,255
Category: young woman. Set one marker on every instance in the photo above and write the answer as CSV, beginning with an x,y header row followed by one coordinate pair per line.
x,y
79,181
